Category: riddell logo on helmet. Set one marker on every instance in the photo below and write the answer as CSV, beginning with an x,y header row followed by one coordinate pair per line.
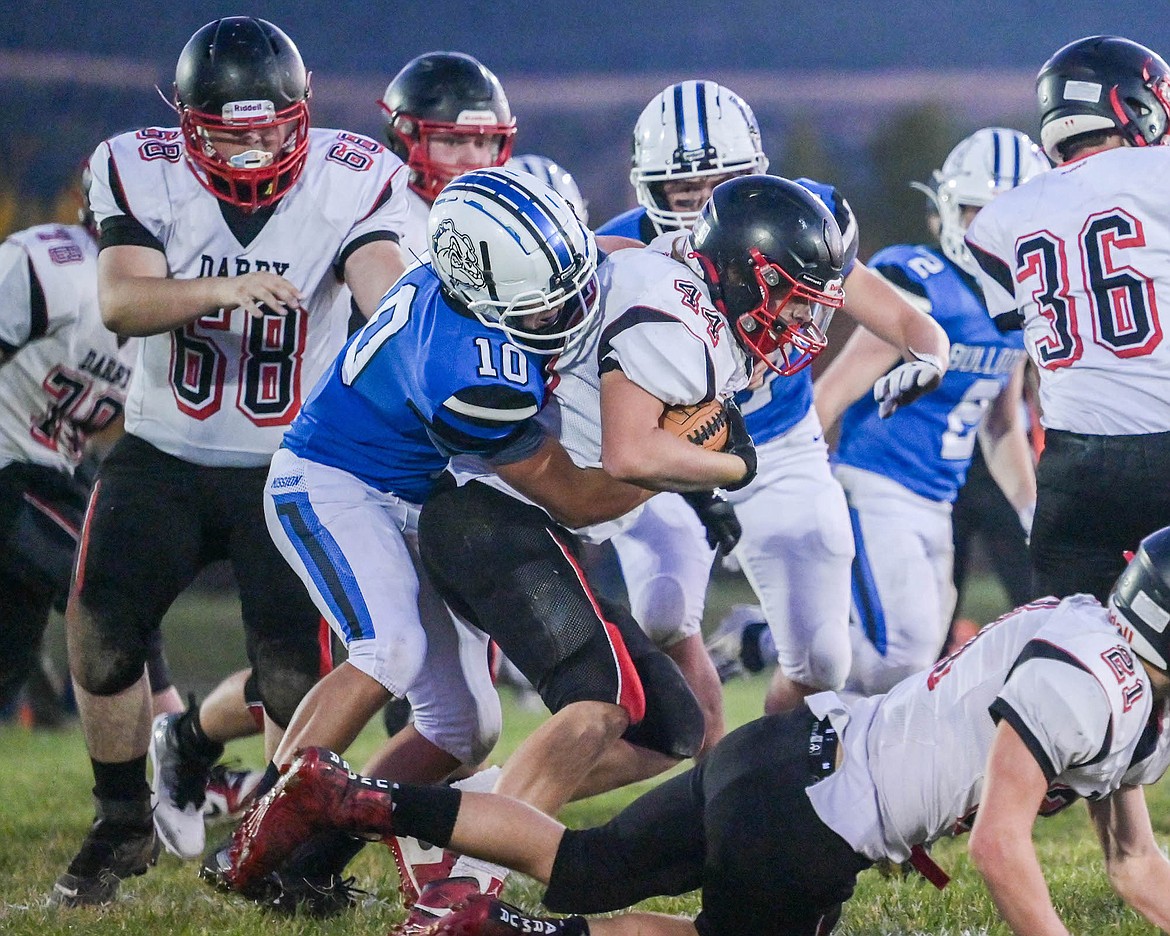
x,y
248,111
477,118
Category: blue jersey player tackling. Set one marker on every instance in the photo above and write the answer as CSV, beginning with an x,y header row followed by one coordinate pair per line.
x,y
796,546
901,474
451,362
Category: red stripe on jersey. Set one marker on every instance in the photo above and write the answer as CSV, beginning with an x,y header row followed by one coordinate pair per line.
x,y
384,195
631,696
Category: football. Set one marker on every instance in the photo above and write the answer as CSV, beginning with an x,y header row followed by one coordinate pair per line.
x,y
702,424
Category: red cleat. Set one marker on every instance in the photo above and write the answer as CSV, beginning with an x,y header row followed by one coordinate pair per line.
x,y
440,898
418,865
485,915
316,791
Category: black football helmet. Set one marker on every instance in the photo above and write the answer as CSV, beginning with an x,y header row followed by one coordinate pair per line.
x,y
240,73
1140,600
1103,83
444,93
764,243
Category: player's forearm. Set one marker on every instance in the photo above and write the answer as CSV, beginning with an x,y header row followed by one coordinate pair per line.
x,y
151,305
1143,882
1009,460
663,462
1016,884
862,360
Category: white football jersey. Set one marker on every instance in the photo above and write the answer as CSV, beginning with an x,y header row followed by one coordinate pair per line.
x,y
1061,675
657,324
413,236
67,374
1083,251
221,390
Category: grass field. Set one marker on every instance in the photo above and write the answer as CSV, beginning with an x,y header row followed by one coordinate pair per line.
x,y
45,808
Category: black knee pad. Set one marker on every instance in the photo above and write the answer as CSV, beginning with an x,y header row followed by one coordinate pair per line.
x,y
284,673
105,660
674,723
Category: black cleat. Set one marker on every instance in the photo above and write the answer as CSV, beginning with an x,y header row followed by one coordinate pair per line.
x,y
120,843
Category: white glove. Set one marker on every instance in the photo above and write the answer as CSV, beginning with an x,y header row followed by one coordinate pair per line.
x,y
907,382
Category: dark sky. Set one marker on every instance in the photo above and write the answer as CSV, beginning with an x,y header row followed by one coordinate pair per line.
x,y
572,36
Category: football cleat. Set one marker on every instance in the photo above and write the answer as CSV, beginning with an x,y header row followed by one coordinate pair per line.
x,y
440,898
229,793
485,915
177,791
742,643
317,791
418,864
120,843
318,896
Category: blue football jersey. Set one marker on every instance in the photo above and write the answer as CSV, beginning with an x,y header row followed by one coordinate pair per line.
x,y
781,402
927,446
633,223
420,382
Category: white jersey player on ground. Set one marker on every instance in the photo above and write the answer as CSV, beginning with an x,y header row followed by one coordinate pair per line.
x,y
1057,701
901,475
1080,257
228,243
796,542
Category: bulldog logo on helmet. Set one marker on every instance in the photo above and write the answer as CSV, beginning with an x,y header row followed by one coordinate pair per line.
x,y
457,252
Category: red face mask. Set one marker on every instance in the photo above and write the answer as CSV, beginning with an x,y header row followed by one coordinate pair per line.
x,y
783,343
254,179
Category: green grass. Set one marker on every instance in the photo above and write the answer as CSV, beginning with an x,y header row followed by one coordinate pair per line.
x,y
45,808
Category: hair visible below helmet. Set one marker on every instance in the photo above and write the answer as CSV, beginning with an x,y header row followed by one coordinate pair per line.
x,y
1103,83
762,239
986,164
691,129
557,178
507,246
241,73
443,93
1140,600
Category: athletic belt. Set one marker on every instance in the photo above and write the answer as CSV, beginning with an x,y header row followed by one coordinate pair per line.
x,y
822,750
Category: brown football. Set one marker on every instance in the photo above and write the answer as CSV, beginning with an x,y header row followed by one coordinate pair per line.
x,y
703,424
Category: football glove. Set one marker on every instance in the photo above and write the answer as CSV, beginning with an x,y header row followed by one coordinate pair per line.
x,y
739,443
907,382
718,519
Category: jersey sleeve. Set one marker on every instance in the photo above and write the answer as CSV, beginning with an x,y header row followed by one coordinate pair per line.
x,y
493,421
995,270
120,225
1057,706
383,209
20,319
661,353
895,269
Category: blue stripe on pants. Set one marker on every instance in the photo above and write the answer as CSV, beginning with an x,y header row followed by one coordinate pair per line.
x,y
865,593
327,565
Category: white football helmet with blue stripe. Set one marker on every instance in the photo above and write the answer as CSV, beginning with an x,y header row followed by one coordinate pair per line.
x,y
510,248
691,129
555,176
986,164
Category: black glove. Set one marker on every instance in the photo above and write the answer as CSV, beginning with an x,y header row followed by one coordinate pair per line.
x,y
718,519
739,443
